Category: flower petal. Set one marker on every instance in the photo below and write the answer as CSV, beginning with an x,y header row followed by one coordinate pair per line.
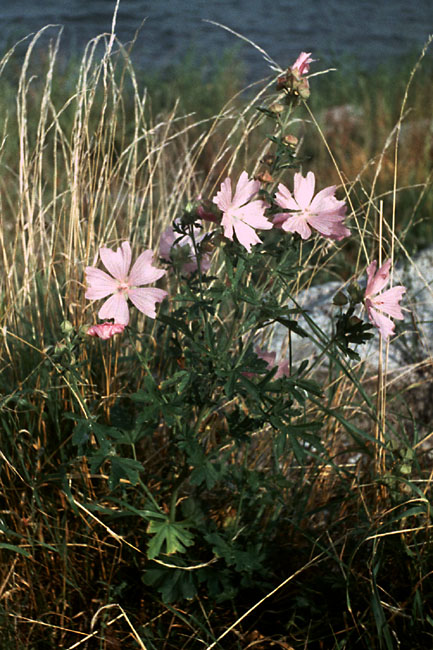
x,y
252,214
328,225
388,301
115,307
117,263
377,280
384,324
227,224
304,189
302,63
297,223
143,272
245,190
280,218
284,198
145,299
100,284
223,198
246,235
324,200
166,242
105,330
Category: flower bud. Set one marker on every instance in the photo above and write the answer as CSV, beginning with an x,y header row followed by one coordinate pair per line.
x,y
264,177
355,292
291,140
340,299
67,328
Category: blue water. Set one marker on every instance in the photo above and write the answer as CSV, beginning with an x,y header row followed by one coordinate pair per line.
x,y
366,30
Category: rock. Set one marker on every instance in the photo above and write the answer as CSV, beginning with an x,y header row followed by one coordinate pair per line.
x,y
410,346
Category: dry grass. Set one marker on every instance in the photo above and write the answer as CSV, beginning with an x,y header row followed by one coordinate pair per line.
x,y
114,171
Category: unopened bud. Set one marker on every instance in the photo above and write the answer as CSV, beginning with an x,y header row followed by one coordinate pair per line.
x,y
265,177
340,299
355,292
282,82
67,328
269,159
291,140
276,107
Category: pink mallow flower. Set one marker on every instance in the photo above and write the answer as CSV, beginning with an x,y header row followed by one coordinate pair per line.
x,y
384,302
324,212
269,357
105,330
172,243
240,214
124,283
302,63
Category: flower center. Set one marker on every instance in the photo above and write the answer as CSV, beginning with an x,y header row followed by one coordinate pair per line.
x,y
122,287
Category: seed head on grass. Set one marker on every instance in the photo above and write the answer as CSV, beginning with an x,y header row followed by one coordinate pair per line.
x,y
124,283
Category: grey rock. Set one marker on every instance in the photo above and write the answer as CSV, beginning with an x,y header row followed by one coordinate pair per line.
x,y
412,343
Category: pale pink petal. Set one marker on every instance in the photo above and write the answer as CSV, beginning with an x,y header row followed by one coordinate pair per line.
x,y
105,330
117,263
284,199
146,299
239,214
279,219
388,301
252,214
245,190
339,232
166,242
302,63
325,200
377,280
384,324
227,224
205,262
269,357
304,189
223,198
328,225
143,272
283,369
246,235
297,223
100,283
116,307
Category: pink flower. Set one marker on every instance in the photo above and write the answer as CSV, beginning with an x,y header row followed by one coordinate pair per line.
x,y
171,242
240,213
105,330
124,283
269,357
302,63
386,302
324,212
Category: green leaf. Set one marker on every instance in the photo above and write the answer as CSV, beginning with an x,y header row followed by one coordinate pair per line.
x,y
126,468
174,536
15,549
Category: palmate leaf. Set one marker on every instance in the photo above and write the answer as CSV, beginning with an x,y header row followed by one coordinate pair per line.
x,y
169,537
